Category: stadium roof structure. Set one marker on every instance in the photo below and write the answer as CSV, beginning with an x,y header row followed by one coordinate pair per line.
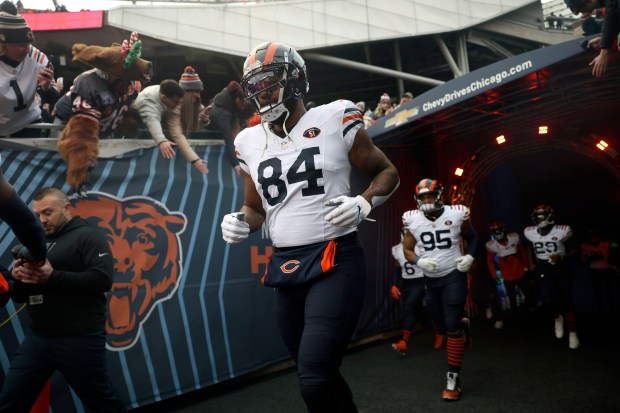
x,y
544,101
354,49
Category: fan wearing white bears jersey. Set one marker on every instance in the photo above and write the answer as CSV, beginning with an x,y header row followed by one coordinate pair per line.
x,y
437,230
296,166
24,71
548,254
15,55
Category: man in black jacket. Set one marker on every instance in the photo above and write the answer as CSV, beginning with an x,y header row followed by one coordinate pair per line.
x,y
229,114
67,304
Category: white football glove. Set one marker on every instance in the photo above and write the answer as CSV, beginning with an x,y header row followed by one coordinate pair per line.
x,y
463,264
234,228
349,211
428,264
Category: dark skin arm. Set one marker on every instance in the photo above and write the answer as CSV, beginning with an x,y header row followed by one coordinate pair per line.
x,y
408,246
252,205
365,156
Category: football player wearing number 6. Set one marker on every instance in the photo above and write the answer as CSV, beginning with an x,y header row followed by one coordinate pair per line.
x,y
296,167
413,291
437,229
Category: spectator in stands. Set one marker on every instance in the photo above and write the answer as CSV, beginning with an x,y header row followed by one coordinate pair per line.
x,y
229,114
407,97
589,22
361,105
26,70
99,101
611,29
155,105
187,117
383,108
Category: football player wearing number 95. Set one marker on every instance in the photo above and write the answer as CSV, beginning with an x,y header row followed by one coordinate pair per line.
x,y
296,167
437,229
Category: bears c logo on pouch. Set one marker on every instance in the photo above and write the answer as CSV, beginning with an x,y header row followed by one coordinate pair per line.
x,y
144,238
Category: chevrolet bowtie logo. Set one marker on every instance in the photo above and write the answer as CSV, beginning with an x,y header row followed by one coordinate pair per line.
x,y
401,117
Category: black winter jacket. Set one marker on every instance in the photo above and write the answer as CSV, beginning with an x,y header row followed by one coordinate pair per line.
x,y
73,301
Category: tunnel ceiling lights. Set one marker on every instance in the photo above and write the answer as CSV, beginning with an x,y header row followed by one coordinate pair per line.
x,y
459,172
602,145
500,139
543,130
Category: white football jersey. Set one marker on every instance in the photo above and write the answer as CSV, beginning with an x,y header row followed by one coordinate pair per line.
x,y
295,176
550,244
408,269
502,250
439,239
18,107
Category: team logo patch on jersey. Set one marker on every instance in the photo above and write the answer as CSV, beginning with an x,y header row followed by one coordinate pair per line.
x,y
312,132
448,223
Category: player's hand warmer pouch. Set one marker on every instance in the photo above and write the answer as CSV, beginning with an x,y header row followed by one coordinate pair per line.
x,y
296,266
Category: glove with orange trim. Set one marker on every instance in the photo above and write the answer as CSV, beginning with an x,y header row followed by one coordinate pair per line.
x,y
395,293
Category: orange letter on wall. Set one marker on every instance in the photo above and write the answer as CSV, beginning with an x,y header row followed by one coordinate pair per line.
x,y
258,259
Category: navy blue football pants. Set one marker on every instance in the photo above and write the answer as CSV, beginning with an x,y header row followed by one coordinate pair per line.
x,y
316,322
445,300
554,287
413,298
80,359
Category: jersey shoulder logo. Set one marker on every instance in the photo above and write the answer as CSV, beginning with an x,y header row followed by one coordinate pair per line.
x,y
312,132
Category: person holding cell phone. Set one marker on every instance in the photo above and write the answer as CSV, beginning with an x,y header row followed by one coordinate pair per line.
x,y
25,70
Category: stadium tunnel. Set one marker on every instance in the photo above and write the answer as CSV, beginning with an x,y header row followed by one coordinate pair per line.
x,y
504,181
537,136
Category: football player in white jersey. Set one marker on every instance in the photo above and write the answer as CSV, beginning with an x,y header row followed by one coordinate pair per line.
x,y
413,292
296,168
506,255
24,71
548,254
437,230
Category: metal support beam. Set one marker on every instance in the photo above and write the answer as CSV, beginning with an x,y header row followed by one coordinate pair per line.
x,y
446,54
461,51
399,66
486,41
372,69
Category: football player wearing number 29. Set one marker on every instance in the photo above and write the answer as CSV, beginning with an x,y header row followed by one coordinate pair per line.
x,y
437,229
296,168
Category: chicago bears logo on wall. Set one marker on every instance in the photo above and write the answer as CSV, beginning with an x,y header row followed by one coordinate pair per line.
x,y
144,238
